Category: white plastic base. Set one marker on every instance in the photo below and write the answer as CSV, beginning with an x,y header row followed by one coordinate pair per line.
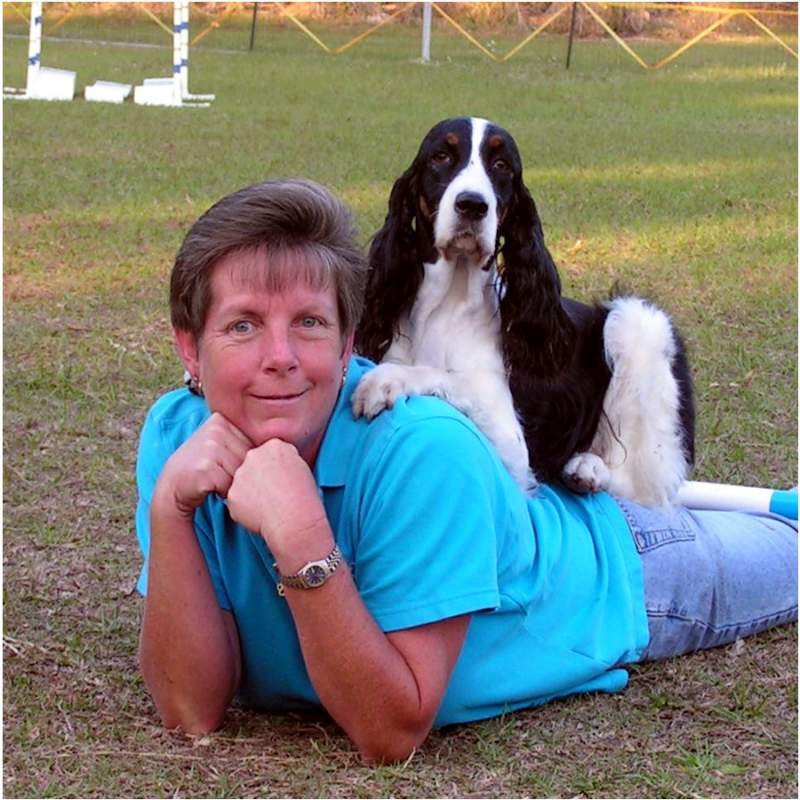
x,y
52,84
157,92
107,92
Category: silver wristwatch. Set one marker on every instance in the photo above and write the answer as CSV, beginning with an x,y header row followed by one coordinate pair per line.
x,y
312,575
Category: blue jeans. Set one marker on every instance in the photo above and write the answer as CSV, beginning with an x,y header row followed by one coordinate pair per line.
x,y
712,577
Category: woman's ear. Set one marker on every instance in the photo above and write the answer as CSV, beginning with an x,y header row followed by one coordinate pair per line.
x,y
188,351
347,349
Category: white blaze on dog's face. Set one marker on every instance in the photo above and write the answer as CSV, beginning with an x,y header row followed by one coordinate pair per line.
x,y
467,220
466,185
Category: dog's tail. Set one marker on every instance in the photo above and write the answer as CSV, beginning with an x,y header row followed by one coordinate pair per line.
x,y
643,432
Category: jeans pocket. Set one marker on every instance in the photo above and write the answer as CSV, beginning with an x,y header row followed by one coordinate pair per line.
x,y
656,527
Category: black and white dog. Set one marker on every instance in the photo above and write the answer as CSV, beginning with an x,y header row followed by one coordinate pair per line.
x,y
464,302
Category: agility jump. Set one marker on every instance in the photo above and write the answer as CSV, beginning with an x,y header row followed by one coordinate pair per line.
x,y
47,83
42,83
174,91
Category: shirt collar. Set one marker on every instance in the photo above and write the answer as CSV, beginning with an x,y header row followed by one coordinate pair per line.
x,y
336,452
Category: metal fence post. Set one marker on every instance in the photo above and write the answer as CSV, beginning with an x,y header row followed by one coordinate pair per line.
x,y
253,26
571,32
426,33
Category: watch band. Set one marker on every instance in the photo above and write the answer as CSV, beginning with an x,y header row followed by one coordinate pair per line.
x,y
312,575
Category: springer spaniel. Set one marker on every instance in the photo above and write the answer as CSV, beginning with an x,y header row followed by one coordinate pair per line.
x,y
464,302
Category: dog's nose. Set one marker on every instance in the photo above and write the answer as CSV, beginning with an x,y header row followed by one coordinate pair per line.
x,y
471,205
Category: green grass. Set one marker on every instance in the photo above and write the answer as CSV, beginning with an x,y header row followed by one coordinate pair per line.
x,y
681,184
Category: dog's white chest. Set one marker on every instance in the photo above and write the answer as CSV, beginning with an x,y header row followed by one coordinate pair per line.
x,y
454,324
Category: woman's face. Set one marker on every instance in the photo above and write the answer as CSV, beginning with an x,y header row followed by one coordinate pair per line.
x,y
270,362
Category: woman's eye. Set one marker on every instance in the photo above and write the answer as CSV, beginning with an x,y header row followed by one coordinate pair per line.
x,y
309,322
242,326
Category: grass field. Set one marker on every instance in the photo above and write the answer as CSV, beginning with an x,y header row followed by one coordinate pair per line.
x,y
680,183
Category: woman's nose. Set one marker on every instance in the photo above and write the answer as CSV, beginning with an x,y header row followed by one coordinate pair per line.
x,y
278,354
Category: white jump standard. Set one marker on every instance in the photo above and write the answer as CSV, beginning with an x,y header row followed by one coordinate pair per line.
x,y
42,83
174,91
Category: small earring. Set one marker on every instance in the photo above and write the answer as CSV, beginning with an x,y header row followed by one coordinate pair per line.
x,y
193,384
344,376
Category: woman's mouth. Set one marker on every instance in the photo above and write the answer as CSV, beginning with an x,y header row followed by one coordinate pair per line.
x,y
282,397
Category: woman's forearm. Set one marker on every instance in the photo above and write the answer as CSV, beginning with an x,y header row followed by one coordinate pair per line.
x,y
384,690
189,652
384,699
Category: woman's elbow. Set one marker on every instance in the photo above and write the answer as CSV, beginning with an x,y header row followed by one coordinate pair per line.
x,y
391,753
194,709
193,721
390,746
193,713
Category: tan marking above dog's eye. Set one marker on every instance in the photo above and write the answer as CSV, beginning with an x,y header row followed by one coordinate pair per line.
x,y
496,140
452,139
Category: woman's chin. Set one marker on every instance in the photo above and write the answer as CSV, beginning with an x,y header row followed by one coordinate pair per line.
x,y
287,431
274,429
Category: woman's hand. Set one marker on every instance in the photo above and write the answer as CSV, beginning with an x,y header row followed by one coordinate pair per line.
x,y
206,462
273,493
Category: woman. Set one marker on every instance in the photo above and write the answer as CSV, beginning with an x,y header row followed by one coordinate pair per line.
x,y
390,570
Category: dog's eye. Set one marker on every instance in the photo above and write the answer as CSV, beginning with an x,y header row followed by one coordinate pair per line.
x,y
442,158
501,164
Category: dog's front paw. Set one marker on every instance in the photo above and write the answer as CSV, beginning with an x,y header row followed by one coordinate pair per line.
x,y
586,473
378,389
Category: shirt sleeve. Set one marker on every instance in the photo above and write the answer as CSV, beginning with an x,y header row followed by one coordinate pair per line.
x,y
429,532
150,461
171,421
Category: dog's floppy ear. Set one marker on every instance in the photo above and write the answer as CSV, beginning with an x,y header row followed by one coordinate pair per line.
x,y
395,270
537,333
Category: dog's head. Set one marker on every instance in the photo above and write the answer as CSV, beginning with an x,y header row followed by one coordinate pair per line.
x,y
467,171
462,199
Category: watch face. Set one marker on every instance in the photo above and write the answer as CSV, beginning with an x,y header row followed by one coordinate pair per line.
x,y
314,575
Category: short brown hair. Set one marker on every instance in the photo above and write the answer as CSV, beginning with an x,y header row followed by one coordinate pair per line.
x,y
288,215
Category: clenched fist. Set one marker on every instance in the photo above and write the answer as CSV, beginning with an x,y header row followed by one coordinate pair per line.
x,y
273,493
206,462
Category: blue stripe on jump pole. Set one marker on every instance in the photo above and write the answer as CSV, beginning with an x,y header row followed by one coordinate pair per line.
x,y
185,62
34,59
176,68
37,20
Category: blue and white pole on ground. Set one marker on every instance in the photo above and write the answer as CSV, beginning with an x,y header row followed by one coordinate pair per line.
x,y
34,47
726,497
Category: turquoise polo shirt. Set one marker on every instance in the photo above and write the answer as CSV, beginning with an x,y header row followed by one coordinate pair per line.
x,y
432,526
